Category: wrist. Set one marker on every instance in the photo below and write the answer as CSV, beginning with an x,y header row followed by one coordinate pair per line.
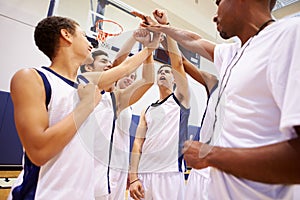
x,y
135,180
211,155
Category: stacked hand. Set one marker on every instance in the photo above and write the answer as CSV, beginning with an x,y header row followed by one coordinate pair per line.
x,y
152,25
143,36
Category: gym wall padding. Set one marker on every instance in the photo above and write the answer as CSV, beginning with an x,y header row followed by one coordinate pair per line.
x,y
10,146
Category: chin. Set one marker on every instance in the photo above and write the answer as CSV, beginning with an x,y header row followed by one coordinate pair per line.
x,y
224,35
88,60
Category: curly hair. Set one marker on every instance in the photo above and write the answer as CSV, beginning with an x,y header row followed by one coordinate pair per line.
x,y
47,33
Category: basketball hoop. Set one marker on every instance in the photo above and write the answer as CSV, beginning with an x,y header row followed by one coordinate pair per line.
x,y
114,28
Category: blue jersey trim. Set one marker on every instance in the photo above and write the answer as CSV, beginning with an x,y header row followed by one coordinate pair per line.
x,y
183,126
113,98
69,82
26,191
183,134
47,87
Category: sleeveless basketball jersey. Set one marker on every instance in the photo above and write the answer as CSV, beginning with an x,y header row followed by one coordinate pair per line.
x,y
120,150
102,125
105,114
167,126
68,175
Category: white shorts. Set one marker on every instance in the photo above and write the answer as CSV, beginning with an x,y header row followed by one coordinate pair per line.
x,y
118,182
162,186
196,187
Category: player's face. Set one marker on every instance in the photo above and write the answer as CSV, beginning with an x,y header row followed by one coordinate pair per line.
x,y
126,81
81,45
165,77
101,63
226,18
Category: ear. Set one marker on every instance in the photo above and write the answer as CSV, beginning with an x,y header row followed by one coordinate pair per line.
x,y
89,68
66,35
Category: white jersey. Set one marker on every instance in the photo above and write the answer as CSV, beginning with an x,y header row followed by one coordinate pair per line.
x,y
261,103
166,133
105,116
196,187
121,143
68,175
120,155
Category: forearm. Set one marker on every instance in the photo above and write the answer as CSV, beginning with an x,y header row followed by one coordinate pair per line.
x,y
175,55
190,41
125,68
134,162
124,51
277,163
107,78
193,72
137,89
148,70
137,147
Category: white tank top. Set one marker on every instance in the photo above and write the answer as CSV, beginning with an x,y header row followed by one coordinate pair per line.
x,y
166,132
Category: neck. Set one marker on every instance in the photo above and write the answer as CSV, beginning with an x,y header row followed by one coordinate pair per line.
x,y
255,30
264,25
164,92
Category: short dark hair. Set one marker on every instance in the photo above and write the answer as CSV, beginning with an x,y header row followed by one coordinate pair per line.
x,y
165,65
98,53
47,33
94,55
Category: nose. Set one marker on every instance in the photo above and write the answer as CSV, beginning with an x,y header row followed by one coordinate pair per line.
x,y
108,65
92,42
215,19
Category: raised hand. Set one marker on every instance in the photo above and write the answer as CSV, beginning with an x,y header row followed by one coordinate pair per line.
x,y
143,36
155,40
160,16
147,22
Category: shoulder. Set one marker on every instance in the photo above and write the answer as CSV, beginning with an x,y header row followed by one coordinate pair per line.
x,y
286,26
289,22
26,86
28,76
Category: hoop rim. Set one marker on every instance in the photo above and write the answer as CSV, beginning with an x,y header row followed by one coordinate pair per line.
x,y
103,32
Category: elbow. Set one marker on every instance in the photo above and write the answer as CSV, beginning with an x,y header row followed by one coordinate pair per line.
x,y
38,158
148,85
38,161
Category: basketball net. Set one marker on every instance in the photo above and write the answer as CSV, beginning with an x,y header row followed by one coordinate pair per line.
x,y
107,28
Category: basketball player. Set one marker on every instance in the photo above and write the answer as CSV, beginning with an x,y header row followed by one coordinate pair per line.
x,y
50,108
156,159
196,186
113,164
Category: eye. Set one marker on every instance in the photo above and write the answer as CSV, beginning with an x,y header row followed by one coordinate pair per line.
x,y
218,2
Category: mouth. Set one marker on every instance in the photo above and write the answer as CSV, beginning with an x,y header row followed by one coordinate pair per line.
x,y
90,48
162,78
106,68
